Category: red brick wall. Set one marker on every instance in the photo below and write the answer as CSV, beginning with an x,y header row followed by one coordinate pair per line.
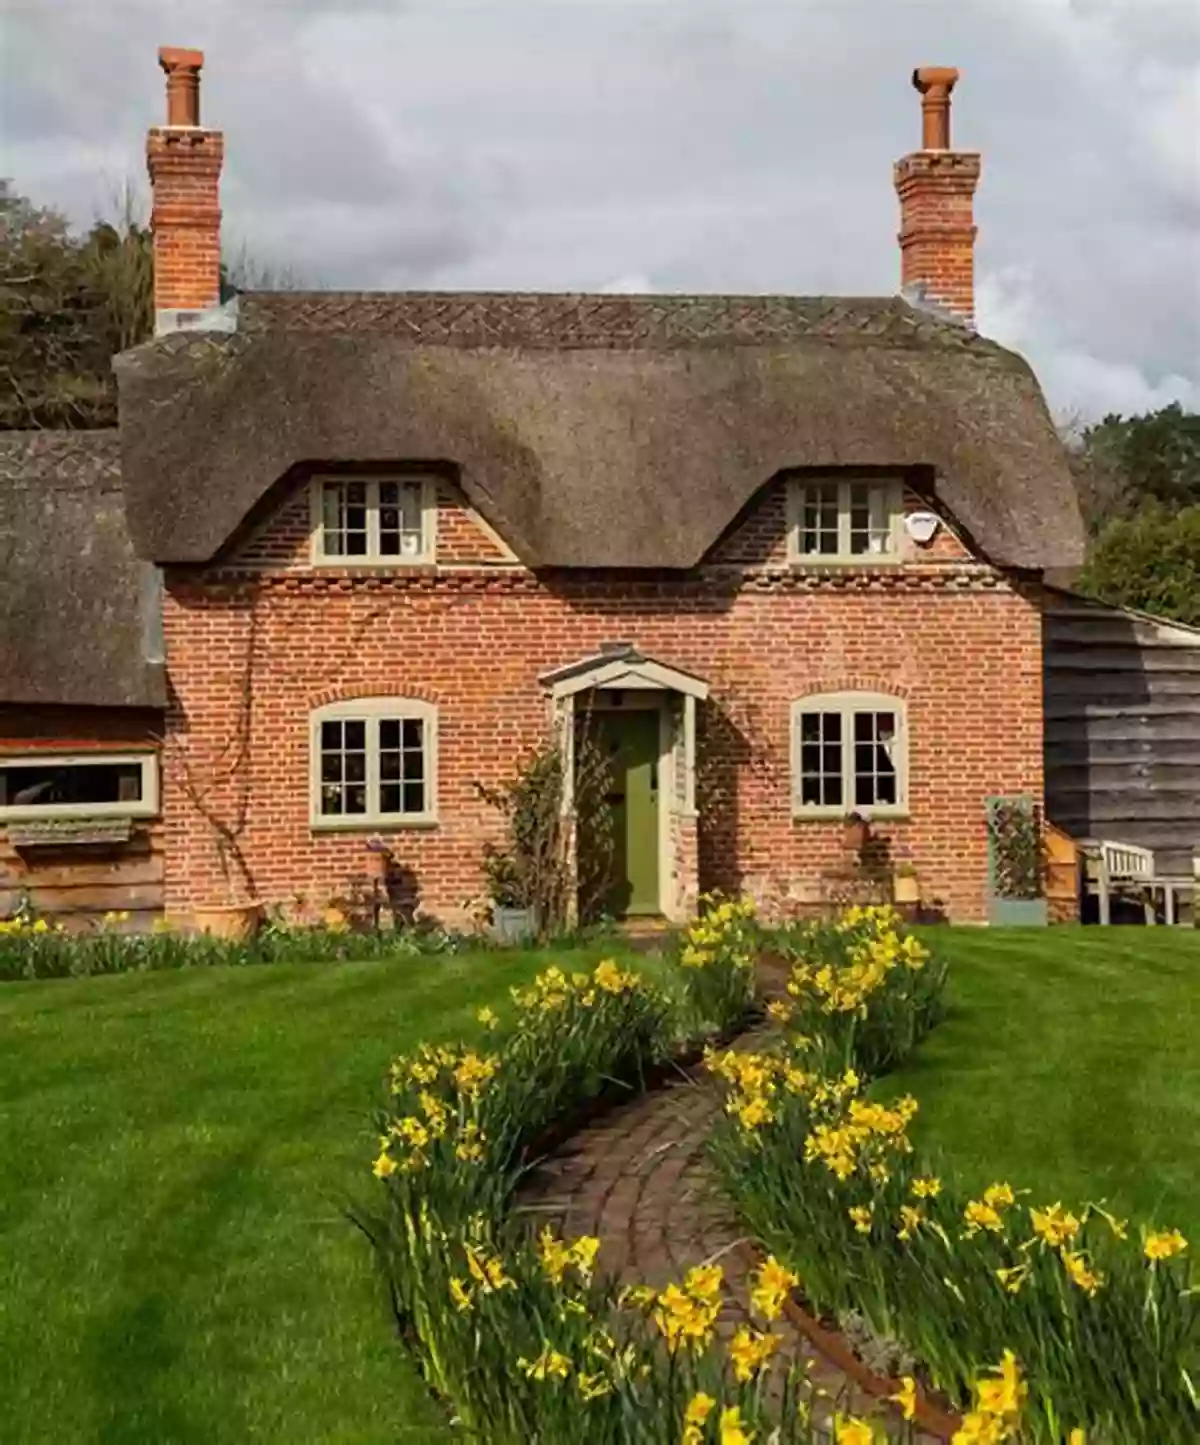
x,y
956,640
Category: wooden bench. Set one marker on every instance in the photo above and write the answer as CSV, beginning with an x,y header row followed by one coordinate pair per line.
x,y
1122,868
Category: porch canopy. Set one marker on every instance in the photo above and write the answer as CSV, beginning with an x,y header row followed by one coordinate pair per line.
x,y
622,667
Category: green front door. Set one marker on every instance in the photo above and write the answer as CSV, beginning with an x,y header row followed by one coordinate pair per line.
x,y
630,740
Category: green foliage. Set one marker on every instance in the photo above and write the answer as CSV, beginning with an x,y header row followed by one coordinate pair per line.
x,y
69,302
36,949
1101,1318
1018,852
716,963
1150,562
1122,463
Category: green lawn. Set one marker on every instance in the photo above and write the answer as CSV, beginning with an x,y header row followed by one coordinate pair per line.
x,y
175,1153
1069,1063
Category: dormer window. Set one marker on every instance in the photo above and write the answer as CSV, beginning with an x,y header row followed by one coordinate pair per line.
x,y
373,521
845,521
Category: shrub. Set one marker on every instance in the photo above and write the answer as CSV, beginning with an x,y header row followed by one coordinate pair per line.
x,y
716,966
864,987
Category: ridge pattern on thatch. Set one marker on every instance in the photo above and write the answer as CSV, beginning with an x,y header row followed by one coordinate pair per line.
x,y
608,322
591,432
74,599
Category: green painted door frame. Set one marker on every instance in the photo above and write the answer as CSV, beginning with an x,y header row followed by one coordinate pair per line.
x,y
630,737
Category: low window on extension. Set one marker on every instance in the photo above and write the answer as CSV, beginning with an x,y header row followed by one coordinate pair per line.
x,y
372,520
849,750
55,785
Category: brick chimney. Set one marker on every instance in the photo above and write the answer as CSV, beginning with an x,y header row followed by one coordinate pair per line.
x,y
936,186
184,161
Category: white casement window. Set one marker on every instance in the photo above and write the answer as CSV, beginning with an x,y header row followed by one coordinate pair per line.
x,y
374,763
840,521
74,785
849,751
373,521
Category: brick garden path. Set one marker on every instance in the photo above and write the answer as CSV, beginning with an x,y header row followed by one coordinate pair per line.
x,y
636,1178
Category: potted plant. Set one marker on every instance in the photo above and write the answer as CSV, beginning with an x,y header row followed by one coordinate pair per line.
x,y
1016,863
906,886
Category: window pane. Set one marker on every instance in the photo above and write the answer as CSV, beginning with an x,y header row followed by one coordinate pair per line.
x,y
400,519
389,798
870,521
344,519
414,798
402,765
414,732
875,762
820,759
343,767
47,783
819,519
389,732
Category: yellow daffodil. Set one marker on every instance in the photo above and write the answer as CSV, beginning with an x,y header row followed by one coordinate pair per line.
x,y
473,1072
1005,1395
732,1429
980,1429
926,1188
384,1166
488,1018
549,1365
592,1387
906,1397
1164,1244
1076,1265
1053,1226
750,1352
861,1215
980,1215
911,1220
780,1010
770,1285
583,1255
849,1430
1013,1279
460,1294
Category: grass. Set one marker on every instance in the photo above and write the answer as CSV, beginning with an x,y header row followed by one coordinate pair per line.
x,y
177,1149
1068,1063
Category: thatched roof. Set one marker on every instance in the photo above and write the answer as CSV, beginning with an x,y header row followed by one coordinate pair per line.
x,y
590,431
77,608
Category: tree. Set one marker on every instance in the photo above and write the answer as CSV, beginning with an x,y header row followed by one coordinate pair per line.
x,y
70,302
1122,462
1150,561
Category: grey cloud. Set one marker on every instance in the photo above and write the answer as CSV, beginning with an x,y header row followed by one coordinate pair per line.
x,y
685,146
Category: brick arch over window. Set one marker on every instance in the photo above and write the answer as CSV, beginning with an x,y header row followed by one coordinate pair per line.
x,y
864,683
849,750
360,692
373,763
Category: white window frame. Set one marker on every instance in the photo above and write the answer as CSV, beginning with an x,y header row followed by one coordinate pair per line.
x,y
371,710
847,704
373,557
145,807
892,491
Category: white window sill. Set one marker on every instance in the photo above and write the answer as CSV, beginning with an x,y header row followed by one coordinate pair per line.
x,y
838,815
363,824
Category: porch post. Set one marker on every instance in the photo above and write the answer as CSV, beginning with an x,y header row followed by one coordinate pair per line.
x,y
564,724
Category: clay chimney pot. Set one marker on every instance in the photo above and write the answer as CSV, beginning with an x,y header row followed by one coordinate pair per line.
x,y
935,82
183,83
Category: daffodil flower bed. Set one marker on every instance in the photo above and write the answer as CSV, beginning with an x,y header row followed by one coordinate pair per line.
x,y
33,947
513,1325
717,958
1101,1317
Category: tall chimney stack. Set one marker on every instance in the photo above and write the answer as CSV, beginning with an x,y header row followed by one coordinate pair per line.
x,y
184,161
936,186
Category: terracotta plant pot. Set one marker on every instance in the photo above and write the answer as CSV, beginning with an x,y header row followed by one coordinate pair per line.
x,y
906,888
231,921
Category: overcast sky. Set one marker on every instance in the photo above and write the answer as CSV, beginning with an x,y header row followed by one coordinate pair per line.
x,y
651,145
